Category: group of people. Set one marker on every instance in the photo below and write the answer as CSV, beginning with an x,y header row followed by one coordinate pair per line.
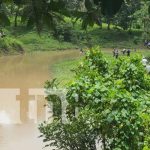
x,y
124,52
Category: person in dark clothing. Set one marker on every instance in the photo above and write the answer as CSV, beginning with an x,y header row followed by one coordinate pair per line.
x,y
145,42
128,52
81,50
116,53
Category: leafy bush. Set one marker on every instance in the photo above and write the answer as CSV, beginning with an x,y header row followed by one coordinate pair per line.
x,y
10,45
113,107
136,40
65,32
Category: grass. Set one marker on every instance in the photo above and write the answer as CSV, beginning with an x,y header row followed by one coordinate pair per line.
x,y
62,70
34,42
116,37
103,37
10,46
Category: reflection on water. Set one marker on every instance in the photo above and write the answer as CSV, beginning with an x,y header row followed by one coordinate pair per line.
x,y
9,107
16,109
20,107
17,123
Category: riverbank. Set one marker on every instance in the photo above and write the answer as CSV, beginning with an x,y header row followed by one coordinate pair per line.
x,y
31,41
63,70
30,70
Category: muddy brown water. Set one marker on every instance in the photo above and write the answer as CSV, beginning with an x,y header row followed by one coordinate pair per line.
x,y
19,113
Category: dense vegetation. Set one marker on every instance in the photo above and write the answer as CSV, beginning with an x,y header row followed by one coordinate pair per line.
x,y
76,24
112,99
65,75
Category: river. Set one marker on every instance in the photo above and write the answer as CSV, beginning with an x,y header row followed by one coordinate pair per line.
x,y
21,104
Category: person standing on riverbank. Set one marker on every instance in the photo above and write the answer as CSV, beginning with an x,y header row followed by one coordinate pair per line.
x,y
116,53
128,52
81,50
124,51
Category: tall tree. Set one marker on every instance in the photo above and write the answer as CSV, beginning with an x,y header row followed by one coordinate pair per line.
x,y
147,22
109,8
125,16
4,19
18,3
39,13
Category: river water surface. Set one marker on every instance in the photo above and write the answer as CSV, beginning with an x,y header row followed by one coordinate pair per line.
x,y
20,113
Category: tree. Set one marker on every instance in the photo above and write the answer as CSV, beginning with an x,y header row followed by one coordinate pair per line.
x,y
109,8
36,12
18,3
111,102
40,13
125,17
4,19
94,9
89,14
146,21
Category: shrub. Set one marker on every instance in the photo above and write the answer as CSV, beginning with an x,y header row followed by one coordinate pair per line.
x,y
113,105
65,32
136,40
10,45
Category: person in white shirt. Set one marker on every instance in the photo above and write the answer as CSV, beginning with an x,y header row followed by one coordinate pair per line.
x,y
144,61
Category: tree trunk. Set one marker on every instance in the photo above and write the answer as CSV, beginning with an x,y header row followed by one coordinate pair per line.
x,y
16,16
108,27
12,9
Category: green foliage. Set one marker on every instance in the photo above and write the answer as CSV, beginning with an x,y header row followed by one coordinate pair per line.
x,y
65,32
95,61
125,16
146,118
4,20
136,40
32,42
110,7
89,15
63,73
10,46
113,101
95,9
51,14
146,34
146,21
40,13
